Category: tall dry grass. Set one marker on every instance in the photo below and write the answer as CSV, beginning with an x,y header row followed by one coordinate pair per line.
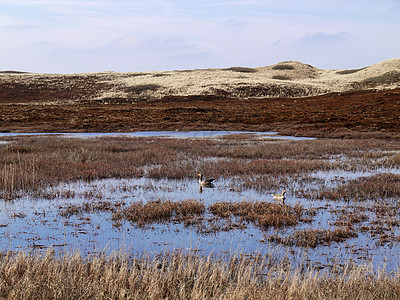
x,y
185,276
18,176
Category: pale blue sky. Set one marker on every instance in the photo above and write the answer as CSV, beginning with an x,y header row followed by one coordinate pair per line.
x,y
69,36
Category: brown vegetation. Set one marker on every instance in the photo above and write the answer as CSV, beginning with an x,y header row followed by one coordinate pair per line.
x,y
375,187
184,276
261,214
335,114
314,237
28,164
159,211
93,206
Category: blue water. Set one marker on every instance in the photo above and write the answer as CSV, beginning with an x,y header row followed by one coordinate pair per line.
x,y
175,134
27,224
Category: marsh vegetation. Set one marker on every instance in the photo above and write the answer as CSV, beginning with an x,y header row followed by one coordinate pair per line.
x,y
138,198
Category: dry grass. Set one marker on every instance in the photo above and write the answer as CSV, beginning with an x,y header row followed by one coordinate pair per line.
x,y
141,214
17,177
375,187
312,238
185,276
29,164
261,214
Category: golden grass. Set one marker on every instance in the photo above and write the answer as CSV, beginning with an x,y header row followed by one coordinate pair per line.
x,y
185,276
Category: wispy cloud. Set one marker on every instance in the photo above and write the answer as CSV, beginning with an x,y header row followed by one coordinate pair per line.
x,y
323,37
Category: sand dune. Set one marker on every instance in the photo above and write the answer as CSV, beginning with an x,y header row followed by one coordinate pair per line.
x,y
284,79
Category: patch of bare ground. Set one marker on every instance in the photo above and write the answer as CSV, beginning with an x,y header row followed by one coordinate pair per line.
x,y
312,238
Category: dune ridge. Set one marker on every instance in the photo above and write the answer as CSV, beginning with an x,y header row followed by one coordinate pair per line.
x,y
284,79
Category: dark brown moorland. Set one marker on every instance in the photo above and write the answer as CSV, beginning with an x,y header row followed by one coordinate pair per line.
x,y
47,108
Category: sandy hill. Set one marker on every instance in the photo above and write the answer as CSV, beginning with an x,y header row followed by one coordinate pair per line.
x,y
284,79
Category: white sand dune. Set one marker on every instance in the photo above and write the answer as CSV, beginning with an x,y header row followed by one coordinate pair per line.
x,y
284,79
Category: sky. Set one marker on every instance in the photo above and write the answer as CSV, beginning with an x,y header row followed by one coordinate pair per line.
x,y
71,36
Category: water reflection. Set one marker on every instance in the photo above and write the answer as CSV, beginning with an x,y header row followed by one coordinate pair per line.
x,y
37,223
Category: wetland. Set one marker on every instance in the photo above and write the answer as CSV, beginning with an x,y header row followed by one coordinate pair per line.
x,y
98,201
140,195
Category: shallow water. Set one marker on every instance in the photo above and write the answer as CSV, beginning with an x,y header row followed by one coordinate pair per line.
x,y
174,134
30,223
37,224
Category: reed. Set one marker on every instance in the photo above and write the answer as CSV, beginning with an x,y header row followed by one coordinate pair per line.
x,y
186,276
17,177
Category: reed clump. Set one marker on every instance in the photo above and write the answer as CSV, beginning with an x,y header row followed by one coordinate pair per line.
x,y
262,214
185,276
141,214
312,238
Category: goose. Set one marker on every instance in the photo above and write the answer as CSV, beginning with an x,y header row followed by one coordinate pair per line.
x,y
205,182
280,197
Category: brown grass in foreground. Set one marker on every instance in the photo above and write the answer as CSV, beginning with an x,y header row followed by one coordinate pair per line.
x,y
185,276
